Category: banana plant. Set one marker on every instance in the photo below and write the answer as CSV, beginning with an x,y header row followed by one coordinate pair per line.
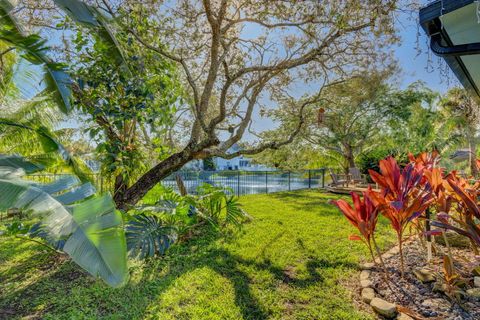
x,y
90,226
34,50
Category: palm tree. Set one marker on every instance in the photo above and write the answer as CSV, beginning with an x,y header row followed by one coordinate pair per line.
x,y
464,113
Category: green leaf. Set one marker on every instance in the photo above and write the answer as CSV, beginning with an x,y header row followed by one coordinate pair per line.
x,y
90,17
148,236
18,162
57,80
98,245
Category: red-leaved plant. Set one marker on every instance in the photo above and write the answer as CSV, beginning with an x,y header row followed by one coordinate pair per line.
x,y
403,196
363,216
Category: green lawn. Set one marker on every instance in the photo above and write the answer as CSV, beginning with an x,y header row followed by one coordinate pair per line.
x,y
291,262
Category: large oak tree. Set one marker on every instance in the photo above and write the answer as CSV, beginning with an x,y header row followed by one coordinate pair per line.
x,y
241,59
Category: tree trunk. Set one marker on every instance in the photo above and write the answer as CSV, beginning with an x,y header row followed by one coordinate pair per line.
x,y
349,157
135,193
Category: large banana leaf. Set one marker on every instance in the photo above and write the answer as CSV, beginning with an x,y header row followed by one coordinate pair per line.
x,y
91,17
34,50
98,244
93,229
50,144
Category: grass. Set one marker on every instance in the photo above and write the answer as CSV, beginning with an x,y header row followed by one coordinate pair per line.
x,y
291,262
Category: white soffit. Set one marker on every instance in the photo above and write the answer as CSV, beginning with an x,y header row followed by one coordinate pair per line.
x,y
463,27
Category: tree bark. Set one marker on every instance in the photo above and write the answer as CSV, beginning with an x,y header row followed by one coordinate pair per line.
x,y
135,193
349,157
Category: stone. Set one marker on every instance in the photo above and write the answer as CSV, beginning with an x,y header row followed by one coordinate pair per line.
x,y
476,282
364,275
424,275
368,294
394,250
403,316
476,271
365,283
436,304
367,266
384,308
474,293
438,287
454,240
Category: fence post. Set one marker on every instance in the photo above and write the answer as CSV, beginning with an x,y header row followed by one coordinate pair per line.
x,y
238,183
266,181
323,178
289,188
309,179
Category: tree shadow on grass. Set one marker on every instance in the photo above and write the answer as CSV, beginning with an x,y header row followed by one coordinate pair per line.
x,y
156,277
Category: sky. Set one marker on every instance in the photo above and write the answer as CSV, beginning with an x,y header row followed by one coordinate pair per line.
x,y
414,62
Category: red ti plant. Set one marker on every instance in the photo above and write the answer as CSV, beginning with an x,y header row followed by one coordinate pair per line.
x,y
403,197
363,216
467,208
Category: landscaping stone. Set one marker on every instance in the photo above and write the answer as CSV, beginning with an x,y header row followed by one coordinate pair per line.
x,y
367,266
424,275
454,239
474,293
365,283
364,275
368,294
439,287
437,303
384,308
476,282
476,271
403,316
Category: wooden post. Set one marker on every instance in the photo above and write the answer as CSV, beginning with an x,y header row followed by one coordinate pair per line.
x,y
429,237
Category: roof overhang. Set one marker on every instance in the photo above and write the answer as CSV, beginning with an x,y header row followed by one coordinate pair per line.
x,y
454,30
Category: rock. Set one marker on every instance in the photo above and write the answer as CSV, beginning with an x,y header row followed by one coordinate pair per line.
x,y
476,271
384,308
366,283
436,304
476,282
474,293
368,294
364,275
424,275
394,250
367,266
454,240
403,316
437,287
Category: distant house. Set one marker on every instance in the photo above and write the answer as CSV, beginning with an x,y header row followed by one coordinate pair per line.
x,y
238,163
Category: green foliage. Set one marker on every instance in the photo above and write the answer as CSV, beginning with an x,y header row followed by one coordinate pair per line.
x,y
90,228
148,235
129,102
370,160
291,262
35,51
165,216
219,206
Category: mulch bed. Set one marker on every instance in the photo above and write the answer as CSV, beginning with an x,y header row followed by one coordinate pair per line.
x,y
420,297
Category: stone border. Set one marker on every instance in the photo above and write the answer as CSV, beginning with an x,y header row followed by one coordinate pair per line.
x,y
368,294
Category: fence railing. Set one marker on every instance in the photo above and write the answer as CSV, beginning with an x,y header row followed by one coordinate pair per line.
x,y
241,182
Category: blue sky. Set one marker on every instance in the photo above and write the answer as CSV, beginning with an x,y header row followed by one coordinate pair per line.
x,y
414,63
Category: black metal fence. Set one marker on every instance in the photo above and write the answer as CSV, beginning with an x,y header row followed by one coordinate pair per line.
x,y
241,182
250,182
